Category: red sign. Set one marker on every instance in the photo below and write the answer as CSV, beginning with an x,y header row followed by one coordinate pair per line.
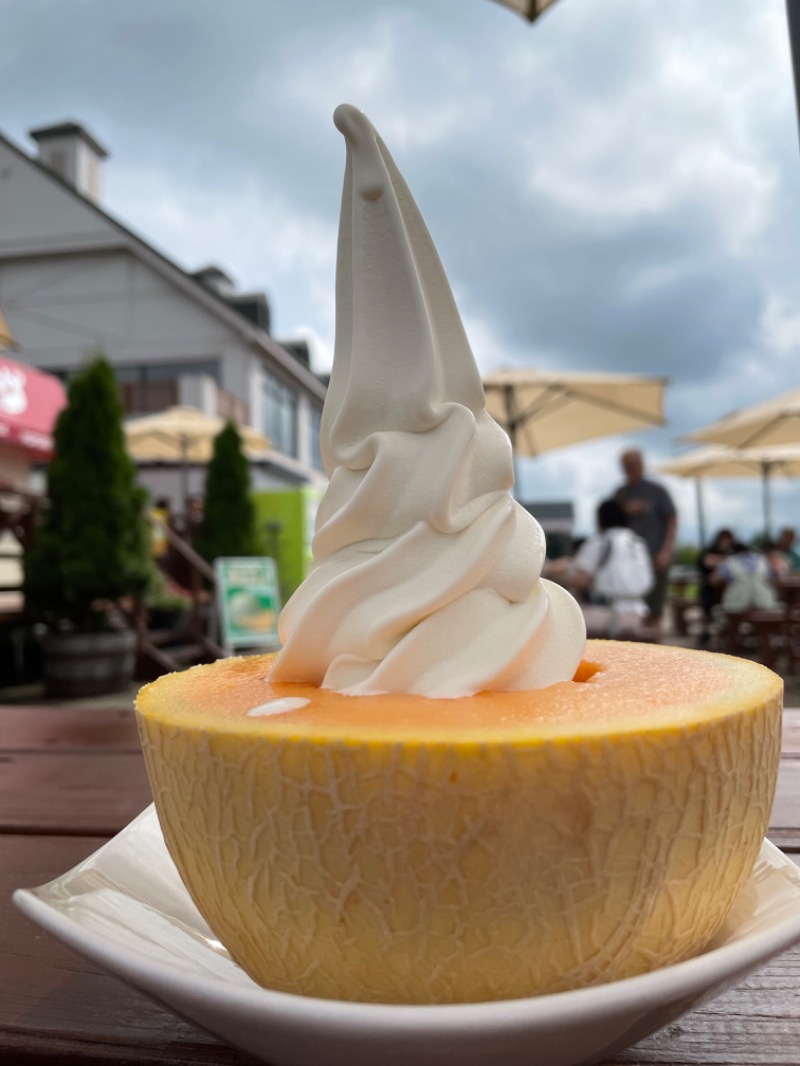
x,y
29,405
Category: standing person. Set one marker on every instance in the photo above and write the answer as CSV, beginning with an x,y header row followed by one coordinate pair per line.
x,y
194,517
651,513
160,522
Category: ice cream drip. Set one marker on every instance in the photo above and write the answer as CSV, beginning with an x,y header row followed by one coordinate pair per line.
x,y
427,576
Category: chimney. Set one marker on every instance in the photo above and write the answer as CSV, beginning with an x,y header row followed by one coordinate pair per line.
x,y
215,278
70,151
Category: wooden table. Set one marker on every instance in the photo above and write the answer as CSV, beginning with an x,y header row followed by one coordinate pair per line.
x,y
70,778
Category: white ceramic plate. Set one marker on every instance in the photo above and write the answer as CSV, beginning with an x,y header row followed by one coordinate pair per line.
x,y
126,909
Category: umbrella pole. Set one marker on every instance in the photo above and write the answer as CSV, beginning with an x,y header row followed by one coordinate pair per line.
x,y
701,515
767,502
512,436
185,474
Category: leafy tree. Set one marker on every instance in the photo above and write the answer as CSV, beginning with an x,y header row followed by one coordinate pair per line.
x,y
228,526
92,543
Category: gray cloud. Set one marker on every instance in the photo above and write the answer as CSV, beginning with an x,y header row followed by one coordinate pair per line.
x,y
616,187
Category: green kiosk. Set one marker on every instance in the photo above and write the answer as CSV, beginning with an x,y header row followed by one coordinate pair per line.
x,y
285,518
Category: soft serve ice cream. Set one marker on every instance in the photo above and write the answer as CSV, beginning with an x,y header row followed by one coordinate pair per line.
x,y
428,573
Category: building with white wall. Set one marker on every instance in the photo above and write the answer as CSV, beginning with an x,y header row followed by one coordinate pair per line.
x,y
74,280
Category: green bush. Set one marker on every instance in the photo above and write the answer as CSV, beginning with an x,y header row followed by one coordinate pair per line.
x,y
687,555
93,542
228,526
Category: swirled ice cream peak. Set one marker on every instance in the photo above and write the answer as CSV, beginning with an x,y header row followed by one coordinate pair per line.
x,y
427,576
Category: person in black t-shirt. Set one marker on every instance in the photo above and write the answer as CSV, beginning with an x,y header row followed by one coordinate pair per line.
x,y
651,513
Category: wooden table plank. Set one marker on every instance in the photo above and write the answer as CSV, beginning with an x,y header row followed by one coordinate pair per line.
x,y
83,774
62,729
94,793
56,1006
784,823
755,1024
790,746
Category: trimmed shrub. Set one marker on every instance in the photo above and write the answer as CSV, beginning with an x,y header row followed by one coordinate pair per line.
x,y
93,542
228,526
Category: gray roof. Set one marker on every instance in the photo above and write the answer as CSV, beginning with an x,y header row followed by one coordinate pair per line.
x,y
259,337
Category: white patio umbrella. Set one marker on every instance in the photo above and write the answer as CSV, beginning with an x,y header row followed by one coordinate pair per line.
x,y
183,435
546,409
771,423
717,461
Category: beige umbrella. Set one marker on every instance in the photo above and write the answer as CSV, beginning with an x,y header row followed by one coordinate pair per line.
x,y
531,9
718,461
183,435
771,423
546,409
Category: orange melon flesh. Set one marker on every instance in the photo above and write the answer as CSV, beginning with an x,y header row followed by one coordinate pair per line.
x,y
399,849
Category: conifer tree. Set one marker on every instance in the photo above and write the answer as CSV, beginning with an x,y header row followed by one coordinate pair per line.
x,y
228,526
92,543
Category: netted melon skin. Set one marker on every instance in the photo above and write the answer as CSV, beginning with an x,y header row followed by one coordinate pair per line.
x,y
433,872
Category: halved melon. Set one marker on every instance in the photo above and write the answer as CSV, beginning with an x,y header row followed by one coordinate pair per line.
x,y
400,849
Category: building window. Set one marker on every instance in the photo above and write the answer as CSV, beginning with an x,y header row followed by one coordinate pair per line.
x,y
280,414
149,387
314,448
147,372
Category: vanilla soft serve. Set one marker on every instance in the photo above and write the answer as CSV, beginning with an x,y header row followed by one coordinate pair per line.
x,y
427,576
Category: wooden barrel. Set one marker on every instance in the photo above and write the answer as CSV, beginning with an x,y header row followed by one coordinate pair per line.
x,y
88,664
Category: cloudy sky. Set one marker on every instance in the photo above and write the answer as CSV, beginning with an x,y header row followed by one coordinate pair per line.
x,y
616,187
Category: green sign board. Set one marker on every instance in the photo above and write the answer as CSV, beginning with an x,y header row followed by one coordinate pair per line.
x,y
249,602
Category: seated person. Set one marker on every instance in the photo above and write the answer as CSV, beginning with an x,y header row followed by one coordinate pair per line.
x,y
613,572
747,580
716,552
784,558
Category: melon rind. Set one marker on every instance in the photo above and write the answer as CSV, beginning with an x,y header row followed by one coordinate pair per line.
x,y
434,871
